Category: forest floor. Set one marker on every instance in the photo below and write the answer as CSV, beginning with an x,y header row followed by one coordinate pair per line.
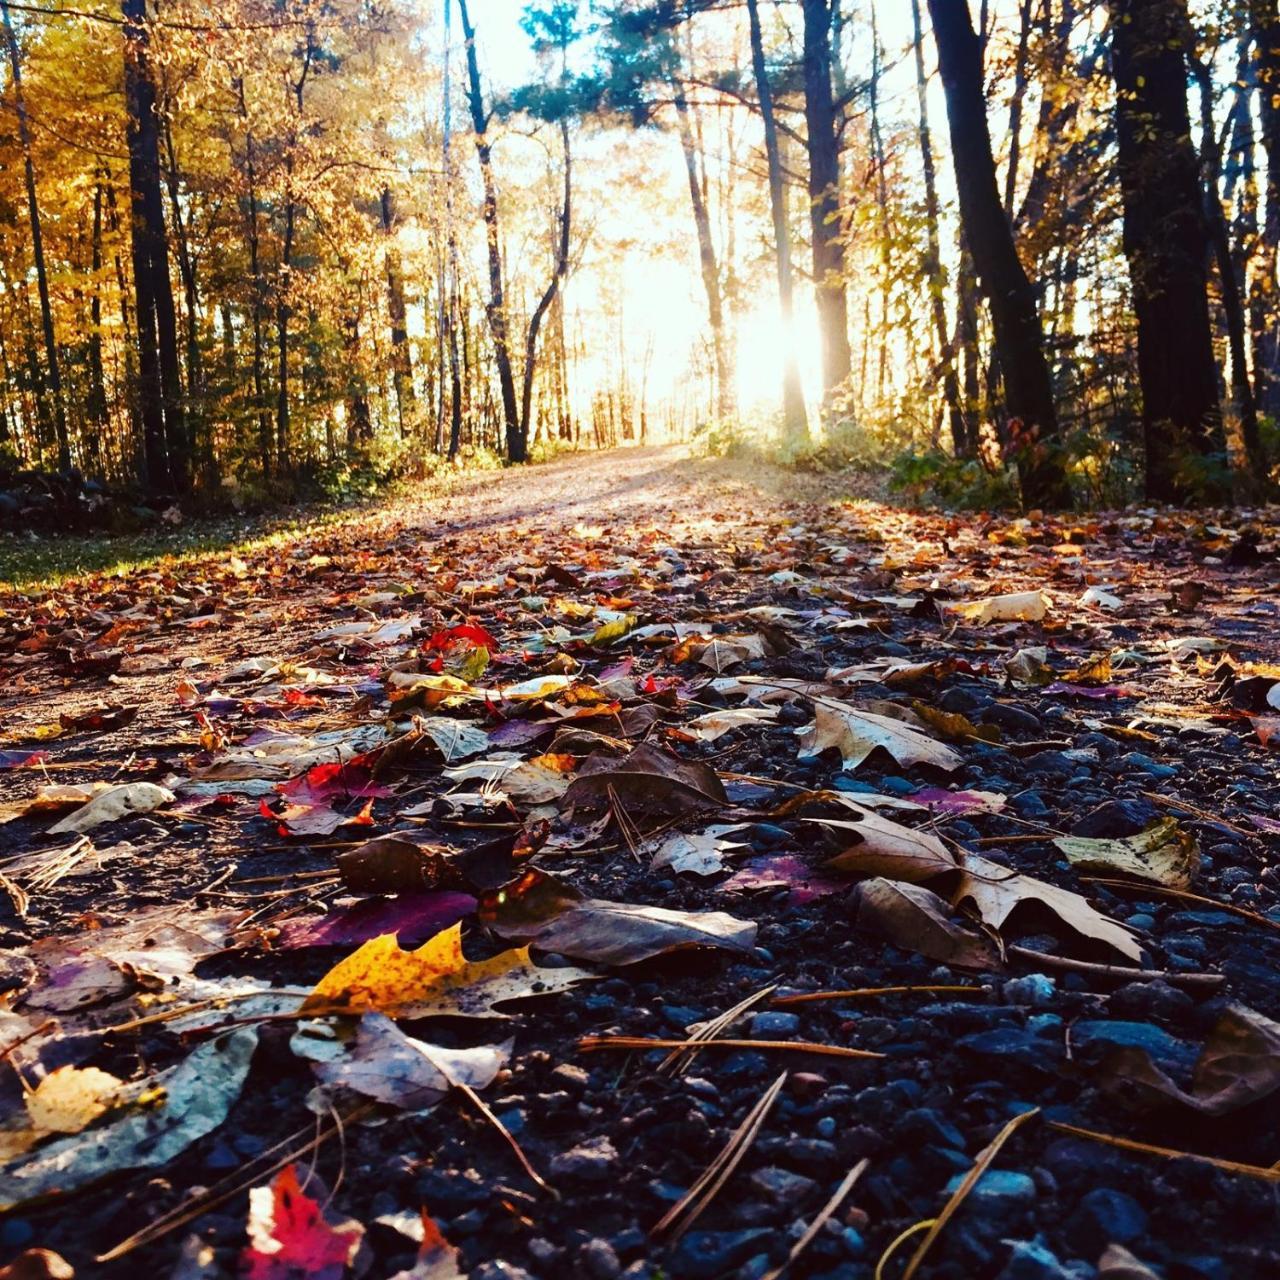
x,y
996,793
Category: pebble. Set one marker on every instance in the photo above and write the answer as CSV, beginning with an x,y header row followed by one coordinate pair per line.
x,y
1136,760
16,1232
1051,762
1034,1260
780,1185
998,1192
964,700
925,1127
894,786
500,1271
1106,1216
704,1255
1033,989
598,1260
1113,1032
1115,819
774,1025
1141,920
1014,719
1030,805
590,1161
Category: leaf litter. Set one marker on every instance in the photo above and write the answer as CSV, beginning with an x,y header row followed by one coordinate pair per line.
x,y
617,749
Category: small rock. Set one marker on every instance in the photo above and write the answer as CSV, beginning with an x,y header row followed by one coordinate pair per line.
x,y
964,700
703,1255
1115,819
598,1260
1106,1216
894,786
500,1271
998,1193
590,1161
928,1127
572,1075
781,1186
1108,1033
774,1025
1012,719
1153,769
1033,989
1034,1260
1029,805
1056,763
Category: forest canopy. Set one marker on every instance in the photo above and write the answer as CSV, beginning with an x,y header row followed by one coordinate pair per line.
x,y
1020,249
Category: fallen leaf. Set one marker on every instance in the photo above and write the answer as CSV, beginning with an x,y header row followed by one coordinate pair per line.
x,y
996,892
455,739
715,724
700,854
385,1064
1022,606
290,1237
1163,853
69,1099
884,848
941,801
917,919
437,1258
193,1099
856,734
112,805
1238,1065
38,1264
434,979
411,918
646,780
784,871
552,915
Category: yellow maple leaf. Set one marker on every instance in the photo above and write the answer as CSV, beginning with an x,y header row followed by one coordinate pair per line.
x,y
434,979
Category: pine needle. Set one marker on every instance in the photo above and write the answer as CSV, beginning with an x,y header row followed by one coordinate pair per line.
x,y
863,993
817,1224
1271,1174
717,1173
590,1043
678,1062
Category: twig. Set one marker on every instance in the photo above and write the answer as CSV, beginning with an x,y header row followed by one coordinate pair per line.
x,y
1271,1174
717,1173
1172,802
861,993
31,1035
1183,896
678,1062
817,1224
1118,973
589,1043
980,1166
900,1239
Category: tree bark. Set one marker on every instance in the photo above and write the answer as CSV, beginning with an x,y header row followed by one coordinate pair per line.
x,y
52,365
96,401
401,357
553,288
1166,243
517,444
1229,282
726,406
1019,340
824,198
794,418
1265,23
160,384
963,441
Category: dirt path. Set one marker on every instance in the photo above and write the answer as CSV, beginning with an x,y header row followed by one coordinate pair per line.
x,y
628,707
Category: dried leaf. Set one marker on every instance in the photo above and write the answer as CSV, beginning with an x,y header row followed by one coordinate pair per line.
x,y
1022,606
194,1098
856,734
555,917
290,1237
917,919
385,1064
72,1098
434,979
715,724
884,848
997,892
647,780
112,805
699,854
1163,853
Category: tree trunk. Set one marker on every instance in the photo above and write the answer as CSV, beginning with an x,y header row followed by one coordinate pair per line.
x,y
37,248
401,357
726,406
1016,103
552,289
96,401
1019,340
963,442
517,444
1265,23
824,198
1166,243
159,392
1230,286
795,421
